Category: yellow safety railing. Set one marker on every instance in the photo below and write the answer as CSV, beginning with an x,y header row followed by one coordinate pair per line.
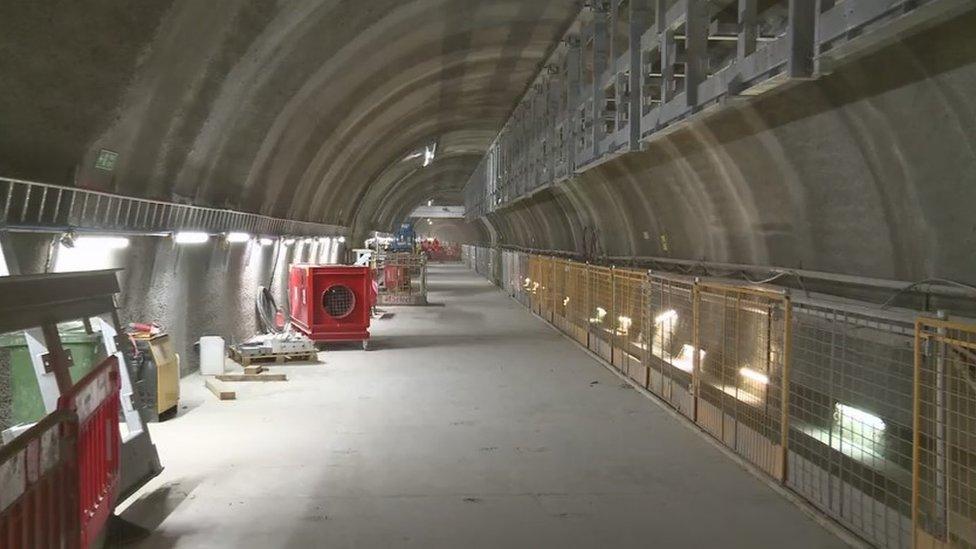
x,y
628,323
670,350
533,283
545,291
869,414
741,378
575,300
559,293
602,316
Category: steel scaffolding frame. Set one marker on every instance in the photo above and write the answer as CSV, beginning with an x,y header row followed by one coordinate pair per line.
x,y
630,71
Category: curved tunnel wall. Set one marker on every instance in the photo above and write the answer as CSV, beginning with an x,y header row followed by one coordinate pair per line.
x,y
302,109
312,111
870,171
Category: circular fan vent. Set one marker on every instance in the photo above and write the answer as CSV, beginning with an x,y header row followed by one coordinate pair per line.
x,y
338,301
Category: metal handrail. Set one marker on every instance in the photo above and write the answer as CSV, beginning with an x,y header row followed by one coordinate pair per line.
x,y
935,287
35,206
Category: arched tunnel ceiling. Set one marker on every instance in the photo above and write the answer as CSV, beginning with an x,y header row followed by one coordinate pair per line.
x,y
303,109
309,109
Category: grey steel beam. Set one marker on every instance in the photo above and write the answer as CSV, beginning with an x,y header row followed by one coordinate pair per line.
x,y
640,14
696,42
801,35
748,29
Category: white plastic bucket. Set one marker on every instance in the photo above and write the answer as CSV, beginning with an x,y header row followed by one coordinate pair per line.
x,y
211,355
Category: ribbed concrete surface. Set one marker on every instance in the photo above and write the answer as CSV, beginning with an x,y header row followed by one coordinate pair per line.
x,y
471,424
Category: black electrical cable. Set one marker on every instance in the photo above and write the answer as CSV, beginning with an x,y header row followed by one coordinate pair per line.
x,y
268,310
914,285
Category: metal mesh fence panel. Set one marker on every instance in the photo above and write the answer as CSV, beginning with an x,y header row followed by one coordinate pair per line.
x,y
602,319
629,336
522,267
534,283
850,417
742,347
509,276
944,460
559,294
482,262
671,339
495,266
576,301
545,294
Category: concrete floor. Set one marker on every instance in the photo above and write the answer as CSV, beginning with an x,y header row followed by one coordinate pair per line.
x,y
469,424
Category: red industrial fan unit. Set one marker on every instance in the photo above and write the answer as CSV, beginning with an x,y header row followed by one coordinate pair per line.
x,y
331,302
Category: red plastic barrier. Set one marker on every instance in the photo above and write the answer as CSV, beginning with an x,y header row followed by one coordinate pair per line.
x,y
95,402
38,486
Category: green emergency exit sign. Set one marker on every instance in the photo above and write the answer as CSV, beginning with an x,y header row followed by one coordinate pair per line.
x,y
106,160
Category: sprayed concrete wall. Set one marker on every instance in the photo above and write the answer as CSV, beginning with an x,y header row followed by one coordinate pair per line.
x,y
191,290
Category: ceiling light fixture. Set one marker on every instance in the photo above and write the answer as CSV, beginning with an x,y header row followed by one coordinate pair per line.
x,y
237,238
430,151
190,237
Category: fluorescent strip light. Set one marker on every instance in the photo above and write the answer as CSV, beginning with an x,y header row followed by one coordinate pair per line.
x,y
288,241
102,242
860,416
190,237
686,359
341,239
265,241
430,151
237,238
666,316
624,322
742,395
601,313
753,375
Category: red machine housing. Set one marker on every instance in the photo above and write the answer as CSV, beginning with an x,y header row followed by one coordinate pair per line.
x,y
331,302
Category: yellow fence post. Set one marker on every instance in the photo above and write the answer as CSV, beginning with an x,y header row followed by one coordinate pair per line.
x,y
785,398
916,430
696,342
613,313
589,300
552,290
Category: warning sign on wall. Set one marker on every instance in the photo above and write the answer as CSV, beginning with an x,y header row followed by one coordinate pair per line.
x,y
106,160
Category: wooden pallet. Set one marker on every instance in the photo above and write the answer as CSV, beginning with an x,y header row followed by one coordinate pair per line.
x,y
283,358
